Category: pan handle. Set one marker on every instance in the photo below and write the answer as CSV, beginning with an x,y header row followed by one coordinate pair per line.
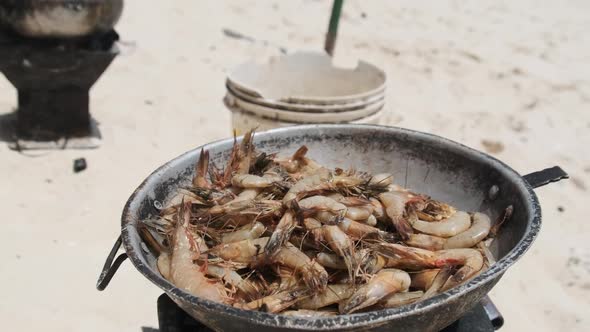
x,y
546,176
109,269
492,312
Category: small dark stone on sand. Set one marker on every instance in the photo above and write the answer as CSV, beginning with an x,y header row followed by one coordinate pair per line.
x,y
80,165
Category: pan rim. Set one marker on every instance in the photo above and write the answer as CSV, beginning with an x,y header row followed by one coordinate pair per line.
x,y
358,319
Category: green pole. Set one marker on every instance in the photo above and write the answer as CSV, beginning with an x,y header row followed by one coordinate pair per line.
x,y
333,27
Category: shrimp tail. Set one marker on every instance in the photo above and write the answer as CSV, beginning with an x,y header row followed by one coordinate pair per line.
x,y
438,282
245,153
232,163
356,301
403,227
505,216
300,153
201,170
350,261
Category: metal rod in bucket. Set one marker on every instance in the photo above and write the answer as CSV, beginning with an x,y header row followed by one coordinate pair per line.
x,y
333,27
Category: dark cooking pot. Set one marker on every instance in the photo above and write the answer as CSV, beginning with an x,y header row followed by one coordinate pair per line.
x,y
60,18
446,170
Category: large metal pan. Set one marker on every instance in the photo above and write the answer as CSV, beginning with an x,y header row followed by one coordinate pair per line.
x,y
446,170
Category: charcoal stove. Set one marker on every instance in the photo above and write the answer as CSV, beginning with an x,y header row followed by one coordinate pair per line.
x,y
484,317
53,52
53,78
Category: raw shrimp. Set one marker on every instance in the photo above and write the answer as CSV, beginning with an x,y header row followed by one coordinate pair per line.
x,y
358,208
359,212
315,227
345,181
455,224
232,278
277,302
505,216
326,217
330,261
321,180
201,169
342,245
407,258
351,201
435,211
332,294
358,231
438,282
250,251
307,184
385,282
288,277
371,262
487,253
304,241
398,299
426,241
276,227
312,273
423,279
371,221
471,262
244,200
381,180
368,262
245,153
174,204
298,163
335,196
245,251
378,209
251,232
184,273
479,229
322,203
395,207
254,181
164,265
281,234
477,232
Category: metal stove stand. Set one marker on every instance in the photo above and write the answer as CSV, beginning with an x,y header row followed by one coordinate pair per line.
x,y
483,318
53,79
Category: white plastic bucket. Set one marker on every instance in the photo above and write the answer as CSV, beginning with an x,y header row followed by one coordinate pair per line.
x,y
243,121
307,77
303,88
335,116
314,108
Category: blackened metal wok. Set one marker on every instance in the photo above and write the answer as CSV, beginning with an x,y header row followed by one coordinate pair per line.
x,y
443,169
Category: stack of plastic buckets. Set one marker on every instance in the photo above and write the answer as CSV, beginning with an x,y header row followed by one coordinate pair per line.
x,y
303,88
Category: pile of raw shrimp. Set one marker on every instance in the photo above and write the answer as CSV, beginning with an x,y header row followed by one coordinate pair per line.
x,y
288,235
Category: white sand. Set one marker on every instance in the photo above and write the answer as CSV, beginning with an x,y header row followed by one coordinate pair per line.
x,y
510,72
